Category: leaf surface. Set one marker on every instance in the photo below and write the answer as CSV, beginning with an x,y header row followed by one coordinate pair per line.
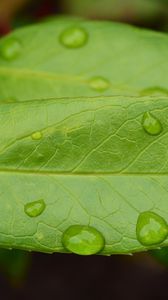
x,y
90,160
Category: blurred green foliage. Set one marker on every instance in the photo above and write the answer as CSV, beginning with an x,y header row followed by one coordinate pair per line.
x,y
14,264
161,255
118,9
146,13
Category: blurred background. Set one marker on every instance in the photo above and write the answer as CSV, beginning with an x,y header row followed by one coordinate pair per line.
x,y
58,276
145,13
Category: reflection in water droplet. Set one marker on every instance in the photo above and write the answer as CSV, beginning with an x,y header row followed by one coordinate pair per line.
x,y
10,48
156,91
74,37
151,124
151,229
35,208
99,84
83,240
37,135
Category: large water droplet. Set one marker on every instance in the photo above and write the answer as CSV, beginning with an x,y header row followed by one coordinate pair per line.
x,y
74,37
151,229
10,48
151,124
99,83
83,240
35,208
37,135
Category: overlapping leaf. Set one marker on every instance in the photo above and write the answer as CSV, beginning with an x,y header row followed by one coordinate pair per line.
x,y
133,61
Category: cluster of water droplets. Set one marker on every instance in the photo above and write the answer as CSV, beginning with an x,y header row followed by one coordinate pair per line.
x,y
71,38
151,229
78,239
74,37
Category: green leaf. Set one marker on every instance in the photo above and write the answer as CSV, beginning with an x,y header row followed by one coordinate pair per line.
x,y
91,161
115,59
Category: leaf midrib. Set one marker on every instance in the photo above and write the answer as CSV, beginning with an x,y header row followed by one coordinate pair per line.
x,y
39,74
82,174
57,77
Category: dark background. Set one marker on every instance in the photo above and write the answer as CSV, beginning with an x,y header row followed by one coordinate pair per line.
x,y
144,13
59,276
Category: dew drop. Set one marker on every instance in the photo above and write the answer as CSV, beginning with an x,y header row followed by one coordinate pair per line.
x,y
37,135
99,83
83,240
10,49
151,229
155,91
35,208
151,124
74,37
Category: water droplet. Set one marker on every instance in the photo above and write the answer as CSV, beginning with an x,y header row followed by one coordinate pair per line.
x,y
151,229
99,84
35,208
156,91
74,37
83,240
10,48
37,135
151,124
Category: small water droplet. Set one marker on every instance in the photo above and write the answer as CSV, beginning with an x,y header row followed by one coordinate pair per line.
x,y
10,48
151,229
155,90
74,37
35,208
37,135
99,83
151,124
83,240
